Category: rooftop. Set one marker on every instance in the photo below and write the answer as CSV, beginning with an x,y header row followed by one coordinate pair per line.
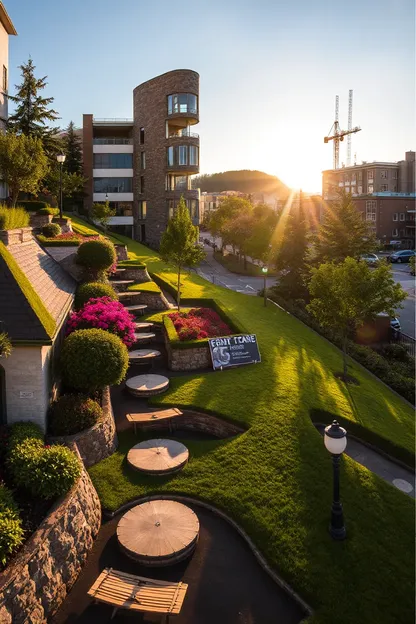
x,y
6,21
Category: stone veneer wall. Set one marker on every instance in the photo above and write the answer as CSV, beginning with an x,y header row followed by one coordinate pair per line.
x,y
37,580
154,301
97,442
187,359
197,421
136,274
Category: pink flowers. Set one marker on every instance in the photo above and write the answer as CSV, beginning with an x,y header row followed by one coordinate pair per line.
x,y
75,236
199,323
104,313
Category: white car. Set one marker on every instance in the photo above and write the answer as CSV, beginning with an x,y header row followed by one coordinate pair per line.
x,y
370,258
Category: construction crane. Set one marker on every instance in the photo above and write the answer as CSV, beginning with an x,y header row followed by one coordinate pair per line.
x,y
338,134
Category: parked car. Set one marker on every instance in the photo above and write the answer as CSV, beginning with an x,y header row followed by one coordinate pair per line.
x,y
402,256
370,258
395,327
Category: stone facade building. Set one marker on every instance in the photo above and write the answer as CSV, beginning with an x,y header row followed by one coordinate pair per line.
x,y
142,166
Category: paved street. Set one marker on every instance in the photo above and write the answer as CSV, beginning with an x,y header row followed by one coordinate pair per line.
x,y
401,274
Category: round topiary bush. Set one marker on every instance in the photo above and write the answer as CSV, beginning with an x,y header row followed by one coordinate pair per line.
x,y
11,535
73,413
7,503
50,230
93,358
21,431
97,254
93,290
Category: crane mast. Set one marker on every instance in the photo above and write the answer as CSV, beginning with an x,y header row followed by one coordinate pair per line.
x,y
336,134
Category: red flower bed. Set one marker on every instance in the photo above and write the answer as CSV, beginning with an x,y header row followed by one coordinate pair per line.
x,y
199,323
75,236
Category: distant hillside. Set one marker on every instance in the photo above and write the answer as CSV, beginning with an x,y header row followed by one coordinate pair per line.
x,y
245,181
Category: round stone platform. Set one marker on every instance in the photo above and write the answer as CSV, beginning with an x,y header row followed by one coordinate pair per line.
x,y
147,385
143,326
145,356
158,533
144,336
140,308
158,457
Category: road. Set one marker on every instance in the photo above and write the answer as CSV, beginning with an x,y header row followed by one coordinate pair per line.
x,y
401,274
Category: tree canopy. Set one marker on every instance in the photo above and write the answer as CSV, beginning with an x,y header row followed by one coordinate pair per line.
x,y
73,150
23,163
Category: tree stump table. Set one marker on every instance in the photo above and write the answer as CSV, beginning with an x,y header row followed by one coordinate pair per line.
x,y
158,533
158,457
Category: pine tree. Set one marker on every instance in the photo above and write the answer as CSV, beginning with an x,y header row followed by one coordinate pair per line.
x,y
343,232
73,150
179,243
32,114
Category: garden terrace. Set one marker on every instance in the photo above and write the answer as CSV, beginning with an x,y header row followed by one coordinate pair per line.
x,y
275,479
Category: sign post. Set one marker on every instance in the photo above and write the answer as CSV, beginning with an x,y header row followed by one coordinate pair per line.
x,y
234,351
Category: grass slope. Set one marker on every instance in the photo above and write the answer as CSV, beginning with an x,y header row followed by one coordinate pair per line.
x,y
275,479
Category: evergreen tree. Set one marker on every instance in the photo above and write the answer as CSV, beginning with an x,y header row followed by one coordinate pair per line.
x,y
73,150
343,232
32,112
179,243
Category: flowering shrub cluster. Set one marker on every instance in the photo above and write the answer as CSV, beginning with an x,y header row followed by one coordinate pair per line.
x,y
199,323
104,313
76,237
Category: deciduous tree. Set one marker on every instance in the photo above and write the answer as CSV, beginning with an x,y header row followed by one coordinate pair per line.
x,y
23,163
229,208
102,213
179,243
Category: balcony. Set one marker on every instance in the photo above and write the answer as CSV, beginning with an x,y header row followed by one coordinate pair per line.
x,y
183,133
112,141
183,169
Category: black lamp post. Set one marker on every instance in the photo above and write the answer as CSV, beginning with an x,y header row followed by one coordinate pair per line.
x,y
61,159
336,441
264,270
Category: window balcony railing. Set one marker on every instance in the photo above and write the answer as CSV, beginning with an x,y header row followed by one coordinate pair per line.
x,y
183,133
181,110
112,141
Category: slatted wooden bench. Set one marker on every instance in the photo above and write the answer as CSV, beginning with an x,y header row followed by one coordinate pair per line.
x,y
143,418
137,593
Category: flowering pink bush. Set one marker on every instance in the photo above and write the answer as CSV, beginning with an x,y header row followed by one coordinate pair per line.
x,y
104,313
199,323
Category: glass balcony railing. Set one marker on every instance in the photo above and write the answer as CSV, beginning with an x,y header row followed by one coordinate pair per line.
x,y
183,133
112,141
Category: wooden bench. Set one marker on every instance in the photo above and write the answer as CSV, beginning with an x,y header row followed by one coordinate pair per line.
x,y
137,593
143,418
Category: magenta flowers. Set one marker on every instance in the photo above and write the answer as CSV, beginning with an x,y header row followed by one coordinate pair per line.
x,y
199,323
103,313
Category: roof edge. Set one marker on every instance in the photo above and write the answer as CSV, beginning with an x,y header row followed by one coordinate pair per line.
x,y
6,21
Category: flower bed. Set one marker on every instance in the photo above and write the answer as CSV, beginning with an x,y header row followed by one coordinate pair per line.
x,y
104,313
199,324
68,239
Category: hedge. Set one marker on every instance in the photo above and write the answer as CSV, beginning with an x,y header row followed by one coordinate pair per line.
x,y
33,205
58,242
130,264
73,413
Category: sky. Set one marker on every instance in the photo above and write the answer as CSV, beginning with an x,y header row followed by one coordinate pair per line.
x,y
269,72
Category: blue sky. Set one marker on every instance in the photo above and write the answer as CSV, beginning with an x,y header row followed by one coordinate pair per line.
x,y
269,71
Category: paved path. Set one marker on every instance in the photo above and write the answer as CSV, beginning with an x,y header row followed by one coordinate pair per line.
x,y
401,274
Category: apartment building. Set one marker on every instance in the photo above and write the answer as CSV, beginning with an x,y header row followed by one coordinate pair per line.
x,y
143,165
385,194
6,29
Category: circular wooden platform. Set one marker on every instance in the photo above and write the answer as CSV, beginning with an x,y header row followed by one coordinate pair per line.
x,y
158,532
158,457
136,309
143,336
147,385
138,326
143,355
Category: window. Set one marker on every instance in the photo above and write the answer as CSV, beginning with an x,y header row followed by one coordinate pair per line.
x,y
370,188
178,183
182,155
396,216
123,209
384,188
371,210
402,216
142,160
141,184
395,232
111,141
394,188
359,190
353,179
193,208
394,174
141,139
192,205
113,161
142,209
4,78
360,175
170,156
370,174
182,103
113,185
193,155
384,174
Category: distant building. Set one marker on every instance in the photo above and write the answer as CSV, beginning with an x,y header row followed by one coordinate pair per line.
x,y
209,202
6,29
144,165
385,194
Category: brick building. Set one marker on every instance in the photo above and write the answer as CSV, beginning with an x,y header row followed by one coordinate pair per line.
x,y
384,192
144,165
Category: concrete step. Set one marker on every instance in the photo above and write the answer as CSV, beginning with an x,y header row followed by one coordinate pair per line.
x,y
138,309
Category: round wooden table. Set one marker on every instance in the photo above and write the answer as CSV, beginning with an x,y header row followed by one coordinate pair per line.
x,y
141,355
158,533
147,385
158,457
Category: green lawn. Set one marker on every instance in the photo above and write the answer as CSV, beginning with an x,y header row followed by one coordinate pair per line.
x,y
275,479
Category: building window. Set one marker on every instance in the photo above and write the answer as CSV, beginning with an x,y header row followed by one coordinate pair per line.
x,y
394,174
113,161
360,175
402,216
370,174
141,136
113,185
396,216
384,174
359,190
370,188
141,184
182,103
384,188
123,209
142,160
4,78
394,232
394,188
142,209
193,155
178,183
182,155
353,178
371,210
191,204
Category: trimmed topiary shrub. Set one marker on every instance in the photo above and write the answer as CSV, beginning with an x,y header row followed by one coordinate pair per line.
x,y
73,413
48,211
51,230
104,313
33,205
93,290
11,535
97,254
93,358
11,218
22,431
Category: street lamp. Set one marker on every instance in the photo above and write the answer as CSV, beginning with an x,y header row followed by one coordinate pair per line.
x,y
264,270
335,440
106,197
61,159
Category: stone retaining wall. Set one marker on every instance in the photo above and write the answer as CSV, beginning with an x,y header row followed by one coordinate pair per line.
x,y
155,301
187,359
136,274
192,420
37,580
97,442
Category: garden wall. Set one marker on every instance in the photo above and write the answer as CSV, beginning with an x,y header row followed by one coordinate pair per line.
x,y
136,274
154,301
192,358
38,579
97,442
197,421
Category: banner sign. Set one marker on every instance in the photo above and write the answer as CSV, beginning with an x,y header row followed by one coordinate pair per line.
x,y
234,350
